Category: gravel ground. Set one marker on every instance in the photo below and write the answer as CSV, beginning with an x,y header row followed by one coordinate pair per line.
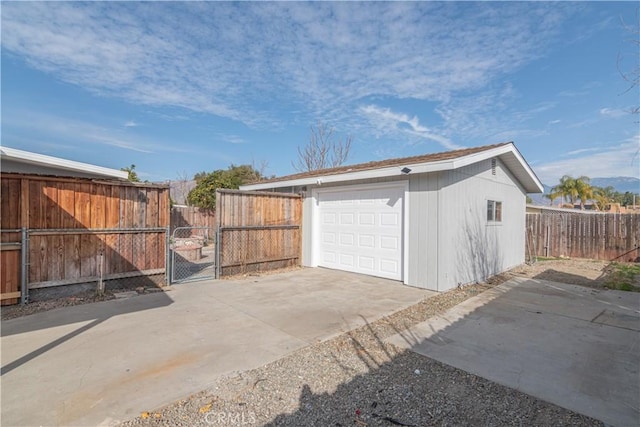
x,y
357,379
84,297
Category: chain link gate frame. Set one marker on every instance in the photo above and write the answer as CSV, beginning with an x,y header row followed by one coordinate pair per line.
x,y
193,254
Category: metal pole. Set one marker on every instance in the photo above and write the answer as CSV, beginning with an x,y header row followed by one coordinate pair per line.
x,y
24,270
167,253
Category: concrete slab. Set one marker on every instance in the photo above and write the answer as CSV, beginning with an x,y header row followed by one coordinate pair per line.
x,y
102,363
576,347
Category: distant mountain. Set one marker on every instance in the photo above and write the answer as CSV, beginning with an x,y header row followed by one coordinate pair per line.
x,y
620,183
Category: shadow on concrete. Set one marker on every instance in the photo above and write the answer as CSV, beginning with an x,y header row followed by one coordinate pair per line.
x,y
95,314
403,388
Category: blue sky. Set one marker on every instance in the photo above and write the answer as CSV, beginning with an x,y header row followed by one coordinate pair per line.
x,y
178,88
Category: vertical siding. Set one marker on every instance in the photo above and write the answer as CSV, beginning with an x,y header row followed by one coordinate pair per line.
x,y
423,235
470,248
307,230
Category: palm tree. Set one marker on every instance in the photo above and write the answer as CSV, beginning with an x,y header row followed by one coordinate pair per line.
x,y
604,196
566,189
583,190
552,196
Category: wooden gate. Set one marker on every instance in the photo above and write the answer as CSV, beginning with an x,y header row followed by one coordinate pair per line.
x,y
257,231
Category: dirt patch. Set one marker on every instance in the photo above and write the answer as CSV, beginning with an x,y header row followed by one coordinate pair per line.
x,y
78,298
583,272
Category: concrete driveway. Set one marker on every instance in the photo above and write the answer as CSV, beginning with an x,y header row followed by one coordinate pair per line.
x,y
106,362
576,347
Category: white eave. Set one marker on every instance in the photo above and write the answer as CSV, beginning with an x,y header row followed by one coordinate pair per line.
x,y
26,157
508,153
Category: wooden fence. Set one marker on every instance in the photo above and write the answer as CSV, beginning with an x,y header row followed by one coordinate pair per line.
x,y
79,229
189,216
604,236
258,231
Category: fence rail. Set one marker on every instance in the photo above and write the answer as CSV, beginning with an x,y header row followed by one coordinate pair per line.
x,y
606,236
257,231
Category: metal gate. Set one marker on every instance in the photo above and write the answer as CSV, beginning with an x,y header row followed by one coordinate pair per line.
x,y
193,254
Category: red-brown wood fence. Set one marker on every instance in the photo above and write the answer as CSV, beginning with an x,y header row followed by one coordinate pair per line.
x,y
603,236
79,229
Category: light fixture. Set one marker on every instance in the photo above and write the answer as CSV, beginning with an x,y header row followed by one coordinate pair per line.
x,y
405,170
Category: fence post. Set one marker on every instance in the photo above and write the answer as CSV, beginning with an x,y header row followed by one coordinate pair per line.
x,y
218,237
167,256
24,269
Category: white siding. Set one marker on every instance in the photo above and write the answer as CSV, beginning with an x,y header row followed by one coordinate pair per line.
x,y
449,239
423,233
472,249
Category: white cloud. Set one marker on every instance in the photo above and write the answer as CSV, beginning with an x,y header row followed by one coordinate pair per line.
x,y
130,124
79,132
387,122
582,150
621,159
321,59
613,112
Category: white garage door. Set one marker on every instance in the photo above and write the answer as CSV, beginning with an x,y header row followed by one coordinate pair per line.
x,y
360,230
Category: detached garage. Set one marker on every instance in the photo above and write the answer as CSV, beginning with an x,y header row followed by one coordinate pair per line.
x,y
434,221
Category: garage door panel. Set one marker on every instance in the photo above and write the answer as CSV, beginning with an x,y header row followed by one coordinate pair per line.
x,y
346,260
366,241
389,219
366,218
346,239
346,218
361,231
389,266
366,263
328,218
389,242
328,238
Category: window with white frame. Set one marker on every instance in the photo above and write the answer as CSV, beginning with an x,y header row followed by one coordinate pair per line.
x,y
494,211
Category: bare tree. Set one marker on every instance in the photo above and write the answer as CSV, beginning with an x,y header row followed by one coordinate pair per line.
x,y
324,149
181,187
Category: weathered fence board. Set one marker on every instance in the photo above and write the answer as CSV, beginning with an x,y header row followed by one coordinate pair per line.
x,y
74,211
189,216
258,231
605,236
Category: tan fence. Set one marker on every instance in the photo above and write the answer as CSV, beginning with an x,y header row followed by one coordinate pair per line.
x,y
604,236
257,231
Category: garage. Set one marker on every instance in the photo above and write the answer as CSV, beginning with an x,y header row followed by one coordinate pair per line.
x,y
422,220
360,229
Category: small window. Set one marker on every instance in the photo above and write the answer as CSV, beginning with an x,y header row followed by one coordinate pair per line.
x,y
494,211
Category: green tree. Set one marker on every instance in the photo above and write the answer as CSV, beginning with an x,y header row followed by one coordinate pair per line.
x,y
204,193
604,196
584,190
566,189
572,189
627,199
131,170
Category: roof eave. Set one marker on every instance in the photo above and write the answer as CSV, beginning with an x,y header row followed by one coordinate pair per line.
x,y
58,163
528,179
